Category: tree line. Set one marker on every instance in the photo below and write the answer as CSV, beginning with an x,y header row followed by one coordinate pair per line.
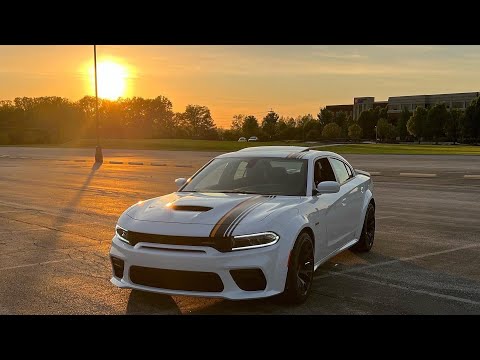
x,y
57,120
436,123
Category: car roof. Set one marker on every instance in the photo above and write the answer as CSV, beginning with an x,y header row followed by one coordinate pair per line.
x,y
280,152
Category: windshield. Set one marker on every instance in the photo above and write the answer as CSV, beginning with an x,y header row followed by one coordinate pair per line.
x,y
249,175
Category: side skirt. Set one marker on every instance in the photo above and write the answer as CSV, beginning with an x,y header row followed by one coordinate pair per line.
x,y
329,256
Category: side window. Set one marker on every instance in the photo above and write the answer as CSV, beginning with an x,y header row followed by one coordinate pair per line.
x,y
340,169
323,171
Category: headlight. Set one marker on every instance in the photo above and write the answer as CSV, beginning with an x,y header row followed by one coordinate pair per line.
x,y
253,241
122,234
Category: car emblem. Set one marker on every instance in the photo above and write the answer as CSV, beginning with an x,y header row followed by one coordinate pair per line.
x,y
124,234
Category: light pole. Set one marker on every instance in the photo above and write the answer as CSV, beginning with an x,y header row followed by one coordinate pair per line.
x,y
376,134
98,149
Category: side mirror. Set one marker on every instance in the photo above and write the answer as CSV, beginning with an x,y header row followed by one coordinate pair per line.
x,y
180,181
328,187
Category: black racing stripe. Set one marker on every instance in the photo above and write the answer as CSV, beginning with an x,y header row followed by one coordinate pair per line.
x,y
222,225
240,217
254,205
244,215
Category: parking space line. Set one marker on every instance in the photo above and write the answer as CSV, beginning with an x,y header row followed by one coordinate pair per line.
x,y
22,231
37,264
418,291
472,177
415,257
375,173
115,162
385,217
419,175
135,163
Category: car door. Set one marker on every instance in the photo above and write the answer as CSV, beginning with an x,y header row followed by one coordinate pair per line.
x,y
356,199
321,207
341,218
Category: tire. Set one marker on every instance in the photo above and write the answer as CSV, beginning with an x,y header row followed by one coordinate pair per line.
x,y
368,231
300,271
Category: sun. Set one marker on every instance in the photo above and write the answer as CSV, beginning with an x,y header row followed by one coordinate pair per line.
x,y
112,79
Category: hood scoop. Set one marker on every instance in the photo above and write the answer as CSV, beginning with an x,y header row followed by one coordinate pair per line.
x,y
195,208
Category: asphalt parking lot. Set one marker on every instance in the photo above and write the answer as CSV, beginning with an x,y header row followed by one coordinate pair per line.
x,y
57,218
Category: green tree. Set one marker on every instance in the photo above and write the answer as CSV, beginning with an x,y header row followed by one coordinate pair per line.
x,y
402,123
417,122
286,128
383,129
368,120
332,131
237,123
197,122
269,123
452,125
470,125
325,117
341,118
250,126
313,135
355,132
382,112
436,119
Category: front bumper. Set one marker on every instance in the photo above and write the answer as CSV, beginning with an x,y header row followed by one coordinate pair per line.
x,y
271,260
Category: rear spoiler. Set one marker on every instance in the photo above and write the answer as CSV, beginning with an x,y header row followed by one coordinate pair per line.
x,y
361,172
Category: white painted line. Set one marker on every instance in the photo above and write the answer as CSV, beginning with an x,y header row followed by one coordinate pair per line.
x,y
418,291
115,162
375,173
472,177
135,163
36,264
420,256
158,164
418,175
22,231
185,166
24,157
80,160
4,156
384,217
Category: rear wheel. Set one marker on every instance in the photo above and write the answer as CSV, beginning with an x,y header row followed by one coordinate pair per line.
x,y
368,231
300,271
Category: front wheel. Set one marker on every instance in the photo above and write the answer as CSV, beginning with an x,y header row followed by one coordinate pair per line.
x,y
368,231
300,271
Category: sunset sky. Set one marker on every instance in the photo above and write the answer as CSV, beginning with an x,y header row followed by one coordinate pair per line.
x,y
292,80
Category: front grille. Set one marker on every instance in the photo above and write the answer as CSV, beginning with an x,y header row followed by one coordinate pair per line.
x,y
117,266
249,279
176,279
221,244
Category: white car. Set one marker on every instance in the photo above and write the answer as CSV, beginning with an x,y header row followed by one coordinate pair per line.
x,y
249,224
242,139
253,138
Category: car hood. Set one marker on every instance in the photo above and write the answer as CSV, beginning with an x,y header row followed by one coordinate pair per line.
x,y
210,208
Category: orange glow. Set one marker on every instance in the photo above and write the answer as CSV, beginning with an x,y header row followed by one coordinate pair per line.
x,y
112,79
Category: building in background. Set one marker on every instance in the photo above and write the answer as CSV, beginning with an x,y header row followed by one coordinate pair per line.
x,y
396,104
